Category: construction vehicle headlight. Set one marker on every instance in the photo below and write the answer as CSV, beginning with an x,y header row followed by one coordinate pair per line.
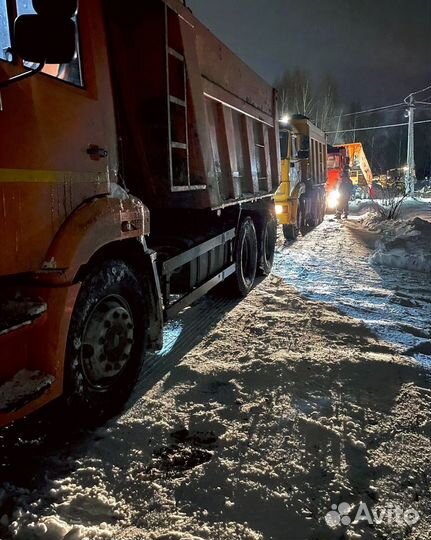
x,y
333,199
278,209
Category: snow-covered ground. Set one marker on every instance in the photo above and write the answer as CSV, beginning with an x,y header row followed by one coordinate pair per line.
x,y
357,267
411,207
256,420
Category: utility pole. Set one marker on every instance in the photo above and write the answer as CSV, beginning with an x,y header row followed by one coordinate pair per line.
x,y
410,178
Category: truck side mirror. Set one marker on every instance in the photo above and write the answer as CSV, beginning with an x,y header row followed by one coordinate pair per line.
x,y
45,40
56,8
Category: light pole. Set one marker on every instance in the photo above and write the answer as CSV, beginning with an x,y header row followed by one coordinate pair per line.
x,y
410,179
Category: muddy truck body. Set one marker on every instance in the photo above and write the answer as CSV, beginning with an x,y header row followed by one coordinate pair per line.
x,y
135,176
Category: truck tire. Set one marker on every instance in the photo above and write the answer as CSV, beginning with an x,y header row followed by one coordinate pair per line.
x,y
245,255
290,232
106,341
267,242
322,211
302,225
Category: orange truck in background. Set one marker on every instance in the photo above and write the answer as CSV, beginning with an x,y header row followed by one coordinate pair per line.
x,y
115,116
349,157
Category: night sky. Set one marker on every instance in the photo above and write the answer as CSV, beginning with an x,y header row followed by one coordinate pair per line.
x,y
378,50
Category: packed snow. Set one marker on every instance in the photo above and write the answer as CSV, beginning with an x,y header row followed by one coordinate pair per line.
x,y
281,416
341,263
283,409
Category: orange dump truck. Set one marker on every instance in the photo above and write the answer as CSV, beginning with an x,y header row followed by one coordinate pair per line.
x,y
349,157
138,164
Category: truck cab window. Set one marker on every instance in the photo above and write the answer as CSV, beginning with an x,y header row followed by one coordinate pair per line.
x,y
70,73
5,42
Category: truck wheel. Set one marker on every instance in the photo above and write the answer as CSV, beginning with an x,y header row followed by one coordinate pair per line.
x,y
302,226
106,340
311,222
242,281
290,232
268,239
322,211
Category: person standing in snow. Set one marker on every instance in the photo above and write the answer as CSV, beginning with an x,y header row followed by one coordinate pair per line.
x,y
345,189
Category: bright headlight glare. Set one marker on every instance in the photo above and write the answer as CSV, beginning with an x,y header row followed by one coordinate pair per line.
x,y
333,199
278,209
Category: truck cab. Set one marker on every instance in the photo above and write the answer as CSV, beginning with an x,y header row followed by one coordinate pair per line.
x,y
300,200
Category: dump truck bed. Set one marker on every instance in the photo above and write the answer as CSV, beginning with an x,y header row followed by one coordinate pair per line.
x,y
198,126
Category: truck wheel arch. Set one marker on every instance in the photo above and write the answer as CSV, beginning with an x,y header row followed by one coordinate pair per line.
x,y
91,227
102,229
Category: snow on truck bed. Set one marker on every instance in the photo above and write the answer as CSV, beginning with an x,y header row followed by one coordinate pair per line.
x,y
285,408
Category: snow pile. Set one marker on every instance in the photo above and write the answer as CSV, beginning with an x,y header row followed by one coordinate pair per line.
x,y
402,244
360,207
73,511
409,209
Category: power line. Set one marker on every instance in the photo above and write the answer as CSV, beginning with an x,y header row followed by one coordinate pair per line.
x,y
406,100
386,107
423,90
368,111
378,127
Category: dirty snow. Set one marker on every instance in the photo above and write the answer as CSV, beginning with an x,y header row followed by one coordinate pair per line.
x,y
20,312
25,384
255,419
411,207
402,244
332,264
282,409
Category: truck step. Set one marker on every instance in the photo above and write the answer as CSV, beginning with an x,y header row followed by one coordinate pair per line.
x,y
23,388
15,314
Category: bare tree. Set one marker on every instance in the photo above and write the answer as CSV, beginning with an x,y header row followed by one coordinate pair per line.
x,y
327,103
299,95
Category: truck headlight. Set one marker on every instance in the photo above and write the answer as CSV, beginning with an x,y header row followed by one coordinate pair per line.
x,y
278,209
333,199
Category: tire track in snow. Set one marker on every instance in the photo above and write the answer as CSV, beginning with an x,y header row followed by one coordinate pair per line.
x,y
331,264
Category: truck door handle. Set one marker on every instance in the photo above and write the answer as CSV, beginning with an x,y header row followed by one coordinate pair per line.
x,y
96,153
